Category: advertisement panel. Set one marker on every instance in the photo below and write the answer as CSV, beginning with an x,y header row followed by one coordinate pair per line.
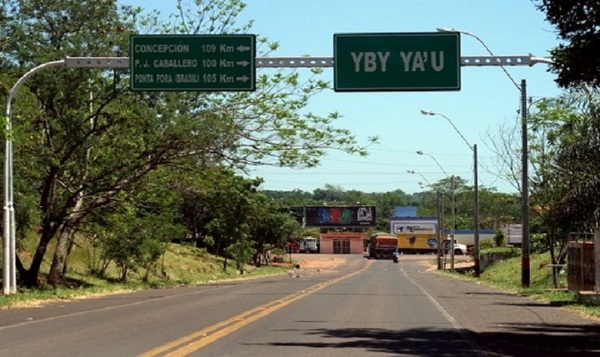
x,y
417,241
418,226
340,216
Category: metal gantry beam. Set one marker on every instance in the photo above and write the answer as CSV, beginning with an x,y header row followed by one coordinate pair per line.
x,y
9,269
315,62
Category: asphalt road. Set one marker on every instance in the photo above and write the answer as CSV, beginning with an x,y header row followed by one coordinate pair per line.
x,y
361,308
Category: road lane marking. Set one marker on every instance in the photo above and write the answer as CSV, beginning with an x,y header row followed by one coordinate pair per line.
x,y
201,338
455,324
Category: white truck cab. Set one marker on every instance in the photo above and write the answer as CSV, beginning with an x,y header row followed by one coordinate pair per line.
x,y
309,245
459,249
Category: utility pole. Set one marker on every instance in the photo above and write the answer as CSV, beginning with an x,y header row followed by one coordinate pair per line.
x,y
525,265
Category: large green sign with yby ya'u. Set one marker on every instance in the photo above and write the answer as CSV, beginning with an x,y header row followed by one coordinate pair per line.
x,y
193,62
397,61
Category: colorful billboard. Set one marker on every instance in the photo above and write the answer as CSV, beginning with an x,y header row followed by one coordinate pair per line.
x,y
417,241
339,216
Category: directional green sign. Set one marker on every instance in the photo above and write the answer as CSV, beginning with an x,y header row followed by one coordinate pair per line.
x,y
397,61
193,62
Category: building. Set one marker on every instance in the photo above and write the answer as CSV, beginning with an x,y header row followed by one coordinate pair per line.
x,y
342,228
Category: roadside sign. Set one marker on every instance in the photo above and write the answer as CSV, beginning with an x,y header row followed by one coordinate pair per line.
x,y
193,62
339,216
397,62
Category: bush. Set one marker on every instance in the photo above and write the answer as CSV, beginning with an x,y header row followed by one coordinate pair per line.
x,y
486,244
499,238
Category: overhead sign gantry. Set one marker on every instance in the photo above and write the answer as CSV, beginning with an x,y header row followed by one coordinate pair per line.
x,y
175,63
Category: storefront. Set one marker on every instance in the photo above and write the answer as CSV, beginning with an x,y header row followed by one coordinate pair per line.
x,y
342,242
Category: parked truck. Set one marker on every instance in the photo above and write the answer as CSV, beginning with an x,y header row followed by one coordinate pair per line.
x,y
309,245
459,249
415,243
382,245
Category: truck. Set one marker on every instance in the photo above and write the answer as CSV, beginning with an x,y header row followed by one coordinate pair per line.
x,y
309,245
418,243
382,245
459,249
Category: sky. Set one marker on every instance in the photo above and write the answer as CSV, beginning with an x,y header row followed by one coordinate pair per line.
x,y
488,98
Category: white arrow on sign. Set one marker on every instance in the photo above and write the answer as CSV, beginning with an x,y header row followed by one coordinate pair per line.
x,y
243,48
242,63
242,79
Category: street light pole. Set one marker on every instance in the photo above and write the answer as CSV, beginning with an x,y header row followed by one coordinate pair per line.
x,y
453,225
476,243
413,172
444,29
452,189
440,230
440,218
419,152
525,264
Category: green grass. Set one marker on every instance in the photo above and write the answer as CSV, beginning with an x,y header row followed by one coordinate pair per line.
x,y
507,274
182,265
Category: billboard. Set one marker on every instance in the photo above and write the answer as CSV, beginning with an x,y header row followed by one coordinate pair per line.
x,y
414,226
340,216
417,241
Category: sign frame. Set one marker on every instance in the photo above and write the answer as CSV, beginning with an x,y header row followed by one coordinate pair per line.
x,y
399,57
193,62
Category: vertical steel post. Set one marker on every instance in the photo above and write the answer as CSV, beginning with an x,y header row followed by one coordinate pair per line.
x,y
525,273
453,225
476,258
9,272
439,230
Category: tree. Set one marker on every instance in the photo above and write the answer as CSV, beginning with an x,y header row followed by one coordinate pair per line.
x,y
575,60
577,163
133,241
270,224
86,139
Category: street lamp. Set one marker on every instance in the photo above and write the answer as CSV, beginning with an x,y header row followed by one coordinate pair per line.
x,y
452,189
419,152
413,172
476,244
445,29
440,218
525,264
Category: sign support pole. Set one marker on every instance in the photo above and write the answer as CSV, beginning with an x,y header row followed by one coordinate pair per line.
x,y
9,280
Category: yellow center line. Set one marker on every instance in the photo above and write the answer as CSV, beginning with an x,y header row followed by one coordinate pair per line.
x,y
201,338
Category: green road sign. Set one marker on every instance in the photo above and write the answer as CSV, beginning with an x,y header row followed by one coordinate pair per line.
x,y
396,61
193,62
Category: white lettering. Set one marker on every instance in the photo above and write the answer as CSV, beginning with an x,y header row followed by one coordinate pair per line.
x,y
356,57
175,63
406,56
164,78
383,57
144,78
162,48
437,62
419,62
370,63
187,78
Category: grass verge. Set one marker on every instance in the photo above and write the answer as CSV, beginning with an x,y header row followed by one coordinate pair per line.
x,y
506,275
181,265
